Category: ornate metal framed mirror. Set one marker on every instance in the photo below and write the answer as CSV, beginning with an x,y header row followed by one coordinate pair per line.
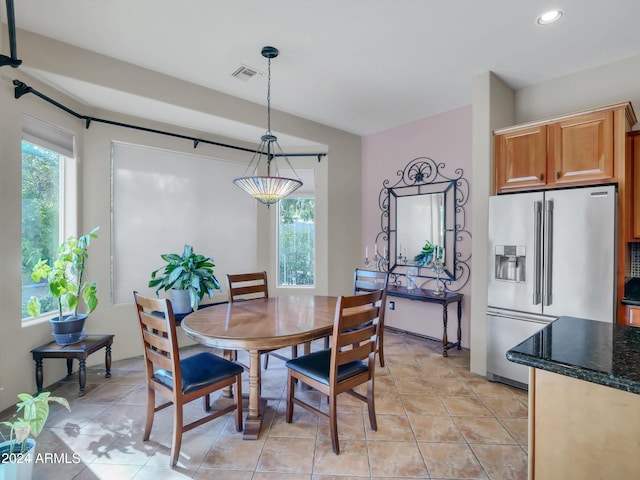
x,y
424,219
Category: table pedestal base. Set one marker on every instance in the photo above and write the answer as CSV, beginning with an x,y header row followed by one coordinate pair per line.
x,y
252,424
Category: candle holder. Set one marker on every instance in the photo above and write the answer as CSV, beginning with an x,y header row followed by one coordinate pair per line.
x,y
438,267
379,262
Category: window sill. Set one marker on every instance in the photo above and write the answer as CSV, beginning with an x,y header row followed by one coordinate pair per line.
x,y
30,322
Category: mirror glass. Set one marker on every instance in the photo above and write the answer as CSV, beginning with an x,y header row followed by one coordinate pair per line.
x,y
420,220
419,214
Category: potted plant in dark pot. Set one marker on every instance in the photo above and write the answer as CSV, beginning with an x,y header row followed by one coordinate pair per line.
x,y
188,276
17,455
65,281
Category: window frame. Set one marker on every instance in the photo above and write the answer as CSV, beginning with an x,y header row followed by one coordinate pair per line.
x,y
313,285
64,143
314,176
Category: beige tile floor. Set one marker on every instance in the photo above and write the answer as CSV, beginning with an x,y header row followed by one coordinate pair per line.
x,y
436,420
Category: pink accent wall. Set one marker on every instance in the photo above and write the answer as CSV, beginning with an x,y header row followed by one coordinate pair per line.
x,y
446,138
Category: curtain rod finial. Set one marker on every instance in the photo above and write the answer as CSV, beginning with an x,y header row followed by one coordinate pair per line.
x,y
14,62
21,88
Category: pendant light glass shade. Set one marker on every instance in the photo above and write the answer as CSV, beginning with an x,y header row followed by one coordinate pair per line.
x,y
268,189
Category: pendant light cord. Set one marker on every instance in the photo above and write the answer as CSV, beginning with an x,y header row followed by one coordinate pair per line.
x,y
269,96
269,151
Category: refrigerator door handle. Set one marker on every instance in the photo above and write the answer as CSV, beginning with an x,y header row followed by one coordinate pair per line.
x,y
537,246
548,253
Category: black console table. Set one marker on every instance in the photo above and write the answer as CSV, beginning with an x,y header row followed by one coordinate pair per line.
x,y
444,299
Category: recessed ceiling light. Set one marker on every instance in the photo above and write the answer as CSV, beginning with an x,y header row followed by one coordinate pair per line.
x,y
549,17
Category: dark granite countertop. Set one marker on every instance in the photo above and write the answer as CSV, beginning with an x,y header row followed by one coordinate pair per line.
x,y
597,352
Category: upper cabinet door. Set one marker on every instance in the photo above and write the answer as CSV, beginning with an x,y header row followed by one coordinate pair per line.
x,y
521,158
634,197
581,149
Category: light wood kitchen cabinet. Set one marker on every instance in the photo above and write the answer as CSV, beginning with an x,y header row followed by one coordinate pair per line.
x,y
581,149
573,438
575,149
521,158
634,146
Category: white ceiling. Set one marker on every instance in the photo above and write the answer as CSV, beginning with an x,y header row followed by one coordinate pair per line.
x,y
358,65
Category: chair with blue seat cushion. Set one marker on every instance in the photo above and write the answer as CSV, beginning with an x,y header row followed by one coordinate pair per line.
x,y
348,363
198,376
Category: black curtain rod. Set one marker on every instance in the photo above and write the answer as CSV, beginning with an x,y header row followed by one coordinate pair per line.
x,y
21,88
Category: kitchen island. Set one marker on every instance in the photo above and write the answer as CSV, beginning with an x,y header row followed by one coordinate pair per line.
x,y
584,399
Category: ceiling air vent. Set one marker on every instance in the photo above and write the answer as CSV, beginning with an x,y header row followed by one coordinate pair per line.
x,y
245,73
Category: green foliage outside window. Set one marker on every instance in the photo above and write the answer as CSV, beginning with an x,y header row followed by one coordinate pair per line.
x,y
296,241
41,173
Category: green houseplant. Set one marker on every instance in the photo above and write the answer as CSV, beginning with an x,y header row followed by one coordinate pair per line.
x,y
17,453
65,281
188,272
425,256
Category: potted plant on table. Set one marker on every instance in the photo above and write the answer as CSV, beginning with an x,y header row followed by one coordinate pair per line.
x,y
17,454
426,254
188,276
65,281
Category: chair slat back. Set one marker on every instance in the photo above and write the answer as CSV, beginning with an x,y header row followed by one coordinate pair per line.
x,y
357,318
159,339
356,337
369,280
355,329
248,286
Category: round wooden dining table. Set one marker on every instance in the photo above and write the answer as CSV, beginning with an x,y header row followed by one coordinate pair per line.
x,y
260,325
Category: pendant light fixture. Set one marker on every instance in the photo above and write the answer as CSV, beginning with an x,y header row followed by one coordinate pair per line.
x,y
268,189
11,25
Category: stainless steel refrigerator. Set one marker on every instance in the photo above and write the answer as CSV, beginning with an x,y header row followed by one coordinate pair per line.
x,y
551,253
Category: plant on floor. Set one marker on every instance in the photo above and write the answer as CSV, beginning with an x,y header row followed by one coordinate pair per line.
x,y
65,278
35,412
188,271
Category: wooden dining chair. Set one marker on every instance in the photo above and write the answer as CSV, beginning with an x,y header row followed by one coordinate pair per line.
x,y
368,281
248,286
180,381
253,286
348,363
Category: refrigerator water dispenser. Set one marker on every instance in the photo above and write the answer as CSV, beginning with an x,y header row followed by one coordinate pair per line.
x,y
510,263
